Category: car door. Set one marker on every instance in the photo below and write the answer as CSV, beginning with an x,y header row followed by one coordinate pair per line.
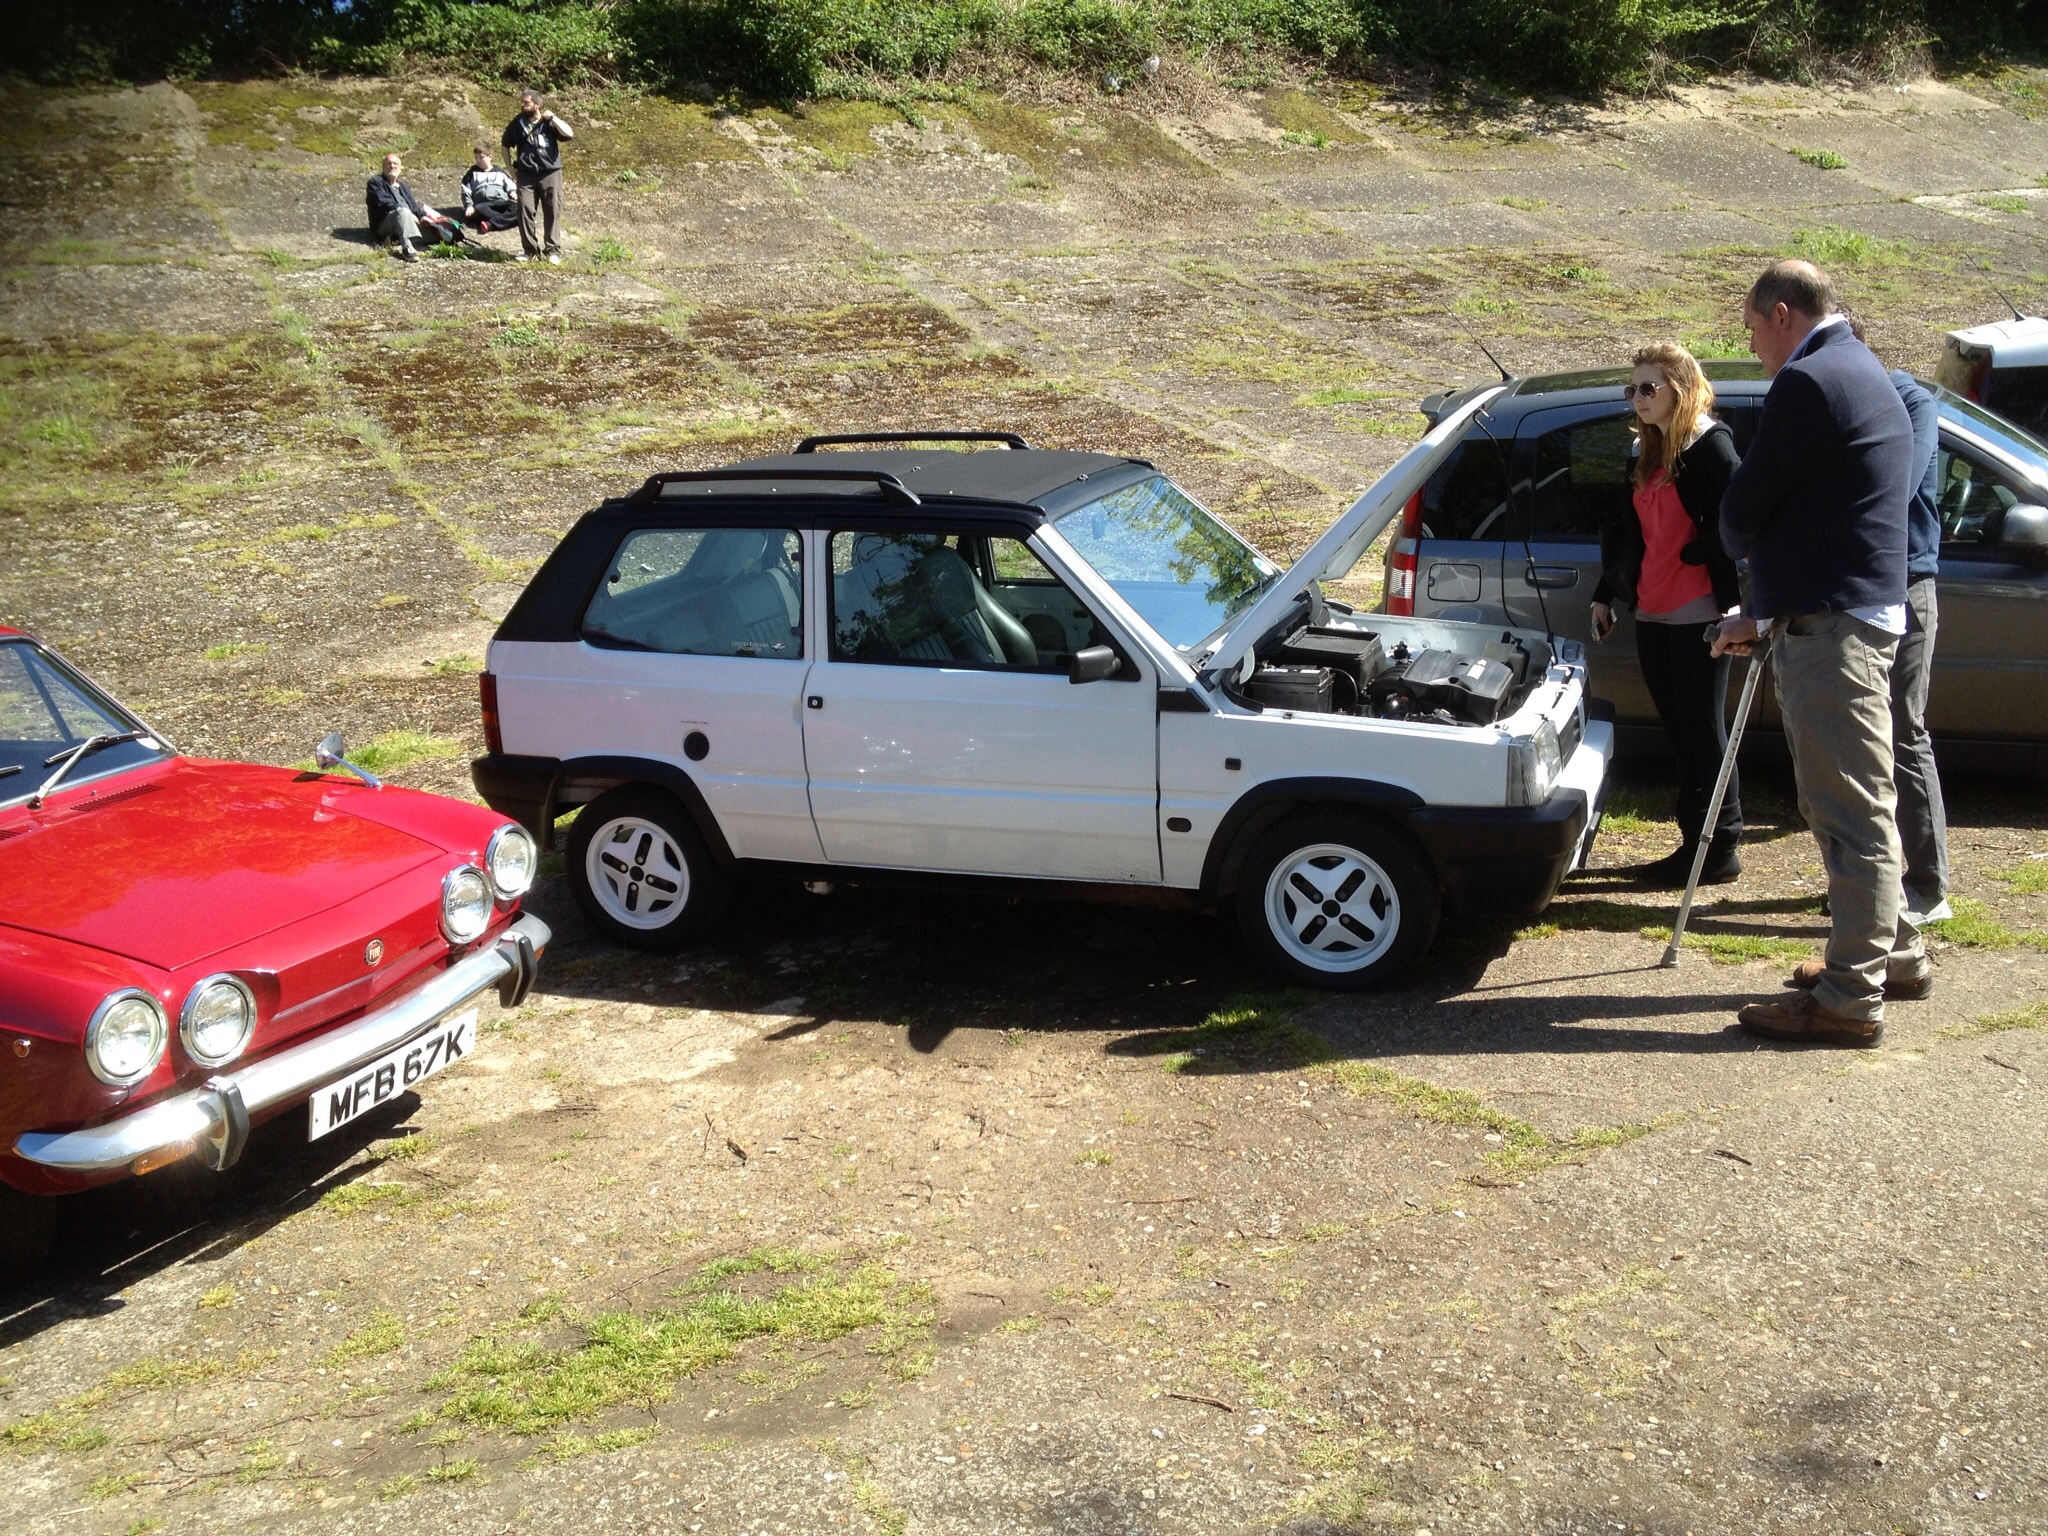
x,y
1990,678
939,736
691,652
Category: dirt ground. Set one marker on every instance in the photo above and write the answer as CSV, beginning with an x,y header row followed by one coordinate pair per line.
x,y
897,1214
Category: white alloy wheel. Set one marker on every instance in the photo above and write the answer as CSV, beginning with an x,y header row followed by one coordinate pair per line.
x,y
637,873
1332,908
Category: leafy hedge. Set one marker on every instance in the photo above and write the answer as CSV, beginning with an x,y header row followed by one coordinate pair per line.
x,y
808,47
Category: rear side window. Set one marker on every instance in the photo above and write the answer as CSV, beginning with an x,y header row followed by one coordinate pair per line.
x,y
2020,395
702,592
1466,498
1580,479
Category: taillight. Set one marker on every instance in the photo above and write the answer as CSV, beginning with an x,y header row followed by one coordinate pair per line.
x,y
1980,378
1400,586
487,695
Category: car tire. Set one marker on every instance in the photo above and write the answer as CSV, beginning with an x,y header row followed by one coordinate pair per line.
x,y
641,872
28,1225
1337,899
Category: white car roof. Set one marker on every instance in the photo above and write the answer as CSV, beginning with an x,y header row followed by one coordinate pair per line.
x,y
2013,343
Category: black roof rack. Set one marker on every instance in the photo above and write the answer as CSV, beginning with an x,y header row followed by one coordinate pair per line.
x,y
892,489
836,439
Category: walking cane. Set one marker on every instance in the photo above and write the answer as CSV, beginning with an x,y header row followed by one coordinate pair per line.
x,y
1699,859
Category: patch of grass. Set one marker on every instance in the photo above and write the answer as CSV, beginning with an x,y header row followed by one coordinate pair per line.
x,y
1832,246
1342,394
1310,140
1579,272
526,1386
1525,204
461,665
354,1199
2027,879
1735,948
1029,1323
1095,1157
2003,202
1973,927
460,1471
1344,1503
258,1460
112,1486
608,252
569,1446
1099,1295
217,1296
401,749
2033,1016
1821,159
1323,1231
1258,1026
233,648
380,1336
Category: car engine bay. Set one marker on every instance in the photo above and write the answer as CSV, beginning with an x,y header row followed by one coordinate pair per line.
x,y
1447,674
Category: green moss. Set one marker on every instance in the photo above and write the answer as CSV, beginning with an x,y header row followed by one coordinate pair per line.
x,y
1310,117
838,130
656,132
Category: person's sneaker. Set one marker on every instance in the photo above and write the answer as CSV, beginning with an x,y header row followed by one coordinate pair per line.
x,y
1898,989
1805,1019
524,256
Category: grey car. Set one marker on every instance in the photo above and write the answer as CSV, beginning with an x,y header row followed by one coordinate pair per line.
x,y
1508,530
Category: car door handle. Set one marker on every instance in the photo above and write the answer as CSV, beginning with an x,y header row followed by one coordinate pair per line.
x,y
814,701
1553,575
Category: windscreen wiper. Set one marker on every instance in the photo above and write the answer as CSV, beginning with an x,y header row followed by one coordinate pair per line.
x,y
64,760
9,770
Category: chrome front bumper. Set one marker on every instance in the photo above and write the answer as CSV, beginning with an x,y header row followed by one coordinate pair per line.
x,y
214,1119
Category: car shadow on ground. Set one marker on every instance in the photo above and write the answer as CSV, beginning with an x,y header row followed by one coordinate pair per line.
x,y
111,1237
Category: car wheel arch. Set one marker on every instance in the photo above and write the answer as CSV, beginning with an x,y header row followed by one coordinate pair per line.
x,y
585,778
1259,808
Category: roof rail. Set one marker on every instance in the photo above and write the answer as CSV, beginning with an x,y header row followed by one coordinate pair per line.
x,y
892,489
838,439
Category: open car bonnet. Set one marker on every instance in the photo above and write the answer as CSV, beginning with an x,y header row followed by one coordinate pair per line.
x,y
1347,539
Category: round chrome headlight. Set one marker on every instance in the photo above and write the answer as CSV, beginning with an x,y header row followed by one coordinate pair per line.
x,y
217,1019
465,904
126,1038
512,860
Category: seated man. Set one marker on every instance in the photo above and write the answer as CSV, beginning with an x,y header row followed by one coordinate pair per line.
x,y
489,200
395,214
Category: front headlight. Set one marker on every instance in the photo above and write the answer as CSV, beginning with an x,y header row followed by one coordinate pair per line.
x,y
125,1039
465,904
512,859
1534,763
216,1021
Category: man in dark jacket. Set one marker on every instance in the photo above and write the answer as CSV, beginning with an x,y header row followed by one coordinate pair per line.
x,y
1818,509
395,214
534,140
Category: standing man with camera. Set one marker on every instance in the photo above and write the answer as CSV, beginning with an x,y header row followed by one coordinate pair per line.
x,y
533,140
1818,508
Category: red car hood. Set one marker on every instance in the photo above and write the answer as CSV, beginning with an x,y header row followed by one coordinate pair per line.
x,y
171,866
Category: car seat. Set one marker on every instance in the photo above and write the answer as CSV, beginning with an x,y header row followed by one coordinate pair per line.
x,y
911,596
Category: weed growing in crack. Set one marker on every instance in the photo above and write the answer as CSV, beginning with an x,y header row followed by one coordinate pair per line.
x,y
2033,1016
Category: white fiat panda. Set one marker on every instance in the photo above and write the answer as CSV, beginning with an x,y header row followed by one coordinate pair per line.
x,y
954,657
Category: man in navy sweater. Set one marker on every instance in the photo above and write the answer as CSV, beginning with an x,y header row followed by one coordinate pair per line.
x,y
1818,509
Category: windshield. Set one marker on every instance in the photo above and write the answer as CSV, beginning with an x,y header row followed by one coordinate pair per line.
x,y
46,710
1185,573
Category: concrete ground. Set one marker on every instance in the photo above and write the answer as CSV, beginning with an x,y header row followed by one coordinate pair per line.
x,y
888,1213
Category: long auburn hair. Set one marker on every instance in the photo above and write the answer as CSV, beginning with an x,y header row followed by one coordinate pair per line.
x,y
1657,450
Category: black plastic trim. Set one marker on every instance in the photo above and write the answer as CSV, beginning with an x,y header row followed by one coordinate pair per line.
x,y
1263,804
838,439
1181,701
892,489
1502,861
519,786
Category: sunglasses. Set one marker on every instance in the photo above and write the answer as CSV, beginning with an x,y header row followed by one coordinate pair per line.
x,y
1645,391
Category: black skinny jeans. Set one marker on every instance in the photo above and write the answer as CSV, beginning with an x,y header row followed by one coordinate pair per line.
x,y
1690,689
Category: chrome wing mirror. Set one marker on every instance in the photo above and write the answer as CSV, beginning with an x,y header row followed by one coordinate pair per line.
x,y
329,755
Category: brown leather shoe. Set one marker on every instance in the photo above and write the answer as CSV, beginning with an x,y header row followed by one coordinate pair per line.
x,y
1897,989
1804,1018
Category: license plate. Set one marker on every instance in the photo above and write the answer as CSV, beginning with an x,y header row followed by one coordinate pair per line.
x,y
386,1078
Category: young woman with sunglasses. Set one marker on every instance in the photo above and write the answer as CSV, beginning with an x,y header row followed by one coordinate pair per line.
x,y
1663,557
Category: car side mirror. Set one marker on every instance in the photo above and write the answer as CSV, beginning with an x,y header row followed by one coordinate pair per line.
x,y
2025,531
1093,664
329,755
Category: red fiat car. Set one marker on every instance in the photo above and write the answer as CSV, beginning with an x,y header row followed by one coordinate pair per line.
x,y
189,947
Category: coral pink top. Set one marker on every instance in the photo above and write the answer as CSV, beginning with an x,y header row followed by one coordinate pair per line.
x,y
1667,583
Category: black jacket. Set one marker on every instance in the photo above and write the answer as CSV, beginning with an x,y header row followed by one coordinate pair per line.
x,y
535,148
1701,473
383,198
1818,507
